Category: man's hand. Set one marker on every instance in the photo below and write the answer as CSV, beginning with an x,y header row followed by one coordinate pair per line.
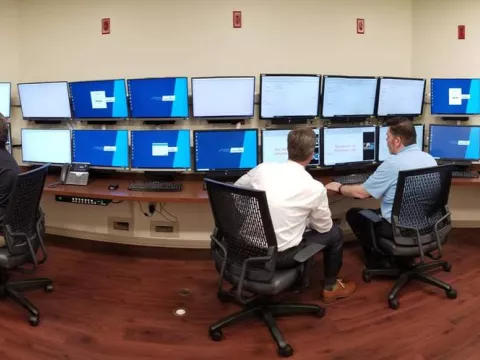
x,y
333,186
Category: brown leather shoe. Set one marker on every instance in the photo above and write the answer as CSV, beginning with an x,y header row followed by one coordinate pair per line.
x,y
340,291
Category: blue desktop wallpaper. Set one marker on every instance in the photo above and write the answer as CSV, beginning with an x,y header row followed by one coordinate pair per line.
x,y
455,142
213,150
108,148
103,99
159,98
149,149
455,96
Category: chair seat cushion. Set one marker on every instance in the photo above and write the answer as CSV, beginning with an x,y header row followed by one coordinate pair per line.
x,y
388,246
8,261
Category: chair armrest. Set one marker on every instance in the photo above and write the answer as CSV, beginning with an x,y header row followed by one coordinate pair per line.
x,y
308,252
370,215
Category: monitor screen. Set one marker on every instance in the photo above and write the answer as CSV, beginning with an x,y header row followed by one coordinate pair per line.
x,y
5,92
45,100
102,99
159,98
46,146
400,97
349,145
217,150
348,96
286,96
455,142
102,148
383,151
455,96
274,146
223,97
161,149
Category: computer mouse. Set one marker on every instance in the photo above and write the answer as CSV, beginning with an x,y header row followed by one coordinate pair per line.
x,y
113,187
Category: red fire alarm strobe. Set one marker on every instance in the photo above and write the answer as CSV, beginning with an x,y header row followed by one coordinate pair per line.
x,y
237,19
106,26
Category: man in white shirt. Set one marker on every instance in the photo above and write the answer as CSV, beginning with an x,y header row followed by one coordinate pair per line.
x,y
295,201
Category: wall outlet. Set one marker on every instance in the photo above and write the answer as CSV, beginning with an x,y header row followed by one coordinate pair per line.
x,y
120,226
164,229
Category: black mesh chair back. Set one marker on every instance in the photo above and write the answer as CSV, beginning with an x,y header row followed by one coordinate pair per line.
x,y
420,210
22,223
242,221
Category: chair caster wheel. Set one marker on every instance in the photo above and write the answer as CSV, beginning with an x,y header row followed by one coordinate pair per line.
x,y
34,320
447,267
320,313
224,298
49,288
285,351
366,276
216,335
452,294
393,304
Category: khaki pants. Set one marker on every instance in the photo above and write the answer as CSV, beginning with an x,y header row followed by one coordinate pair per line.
x,y
2,241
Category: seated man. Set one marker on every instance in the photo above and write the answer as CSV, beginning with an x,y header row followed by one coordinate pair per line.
x,y
382,184
295,199
8,171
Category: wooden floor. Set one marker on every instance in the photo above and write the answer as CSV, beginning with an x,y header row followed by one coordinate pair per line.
x,y
114,302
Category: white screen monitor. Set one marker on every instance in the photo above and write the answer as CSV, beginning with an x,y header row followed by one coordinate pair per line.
x,y
223,97
401,97
289,96
349,145
383,151
5,95
274,146
345,96
46,146
47,101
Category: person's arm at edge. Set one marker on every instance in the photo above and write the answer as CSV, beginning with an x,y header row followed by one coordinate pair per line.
x,y
246,180
320,218
354,191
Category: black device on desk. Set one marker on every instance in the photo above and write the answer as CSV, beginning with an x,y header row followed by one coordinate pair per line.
x,y
349,148
75,174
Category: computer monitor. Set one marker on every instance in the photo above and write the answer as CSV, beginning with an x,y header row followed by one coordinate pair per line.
x,y
45,101
383,151
101,148
5,96
455,96
274,146
400,97
158,97
348,96
223,97
100,99
41,146
452,142
220,150
160,149
289,96
349,145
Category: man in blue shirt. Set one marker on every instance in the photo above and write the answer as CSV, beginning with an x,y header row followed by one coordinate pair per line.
x,y
382,184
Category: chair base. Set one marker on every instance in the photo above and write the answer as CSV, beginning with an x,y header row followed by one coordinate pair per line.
x,y
418,272
14,291
267,313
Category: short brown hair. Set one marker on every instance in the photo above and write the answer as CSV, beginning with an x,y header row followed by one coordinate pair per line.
x,y
3,131
404,129
301,144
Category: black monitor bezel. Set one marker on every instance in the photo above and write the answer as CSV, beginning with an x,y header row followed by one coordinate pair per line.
x,y
377,101
356,116
45,162
299,117
129,99
218,117
9,99
48,118
449,114
386,126
221,170
159,168
447,125
113,118
368,162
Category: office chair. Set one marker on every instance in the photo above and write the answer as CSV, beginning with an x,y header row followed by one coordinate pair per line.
x,y
244,249
420,223
23,229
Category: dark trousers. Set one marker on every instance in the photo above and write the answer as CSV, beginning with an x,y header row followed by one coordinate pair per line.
x,y
332,254
361,227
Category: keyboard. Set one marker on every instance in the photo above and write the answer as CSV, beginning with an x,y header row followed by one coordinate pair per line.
x,y
155,186
225,182
351,179
465,174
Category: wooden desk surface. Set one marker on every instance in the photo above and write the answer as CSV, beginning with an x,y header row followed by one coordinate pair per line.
x,y
192,191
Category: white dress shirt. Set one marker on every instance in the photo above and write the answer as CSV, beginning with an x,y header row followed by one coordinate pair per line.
x,y
295,200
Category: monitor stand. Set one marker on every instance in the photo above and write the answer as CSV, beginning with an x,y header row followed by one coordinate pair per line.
x,y
352,173
224,176
160,176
